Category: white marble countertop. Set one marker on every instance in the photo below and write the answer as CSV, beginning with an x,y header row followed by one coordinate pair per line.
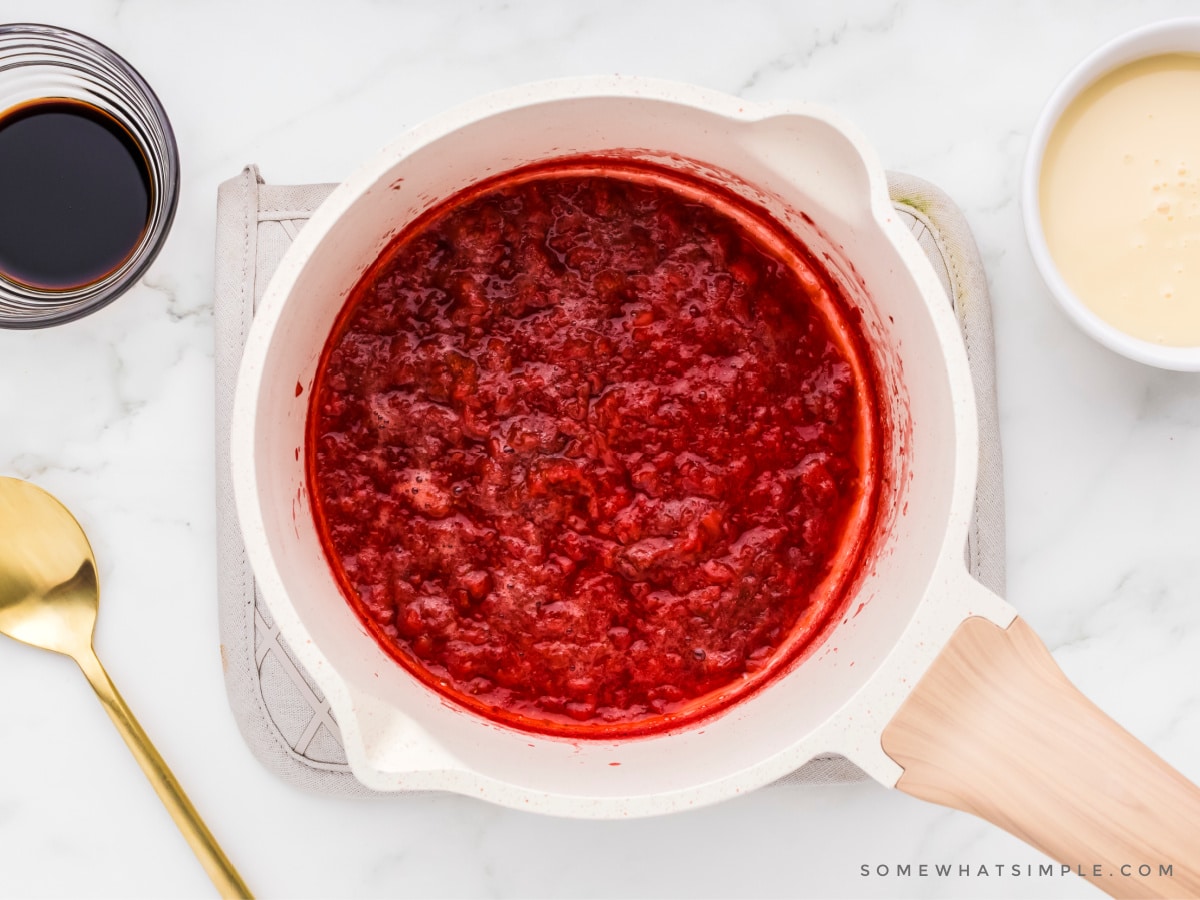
x,y
114,414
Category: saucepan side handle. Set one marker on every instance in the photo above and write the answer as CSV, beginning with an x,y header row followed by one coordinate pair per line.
x,y
994,728
388,750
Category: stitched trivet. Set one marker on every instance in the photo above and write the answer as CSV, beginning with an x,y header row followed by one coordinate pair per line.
x,y
282,715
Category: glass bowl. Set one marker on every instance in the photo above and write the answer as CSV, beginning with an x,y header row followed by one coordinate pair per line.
x,y
42,62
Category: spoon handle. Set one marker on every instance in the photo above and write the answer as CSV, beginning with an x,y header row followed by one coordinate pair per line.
x,y
203,844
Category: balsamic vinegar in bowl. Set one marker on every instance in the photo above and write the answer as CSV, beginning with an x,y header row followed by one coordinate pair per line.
x,y
77,195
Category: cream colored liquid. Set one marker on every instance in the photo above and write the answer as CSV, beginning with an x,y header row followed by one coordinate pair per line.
x,y
1120,198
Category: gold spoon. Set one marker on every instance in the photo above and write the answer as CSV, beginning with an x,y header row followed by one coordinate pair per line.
x,y
49,594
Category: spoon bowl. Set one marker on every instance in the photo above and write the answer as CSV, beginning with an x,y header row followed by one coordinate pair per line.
x,y
49,591
49,598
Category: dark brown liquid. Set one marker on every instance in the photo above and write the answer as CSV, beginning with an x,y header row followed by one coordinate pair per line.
x,y
75,194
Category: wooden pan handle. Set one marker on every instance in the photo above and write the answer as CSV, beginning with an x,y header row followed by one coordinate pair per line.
x,y
995,729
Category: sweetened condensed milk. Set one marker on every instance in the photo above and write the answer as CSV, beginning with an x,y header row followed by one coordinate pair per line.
x,y
1120,198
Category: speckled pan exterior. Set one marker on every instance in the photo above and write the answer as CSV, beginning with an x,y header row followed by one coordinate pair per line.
x,y
815,175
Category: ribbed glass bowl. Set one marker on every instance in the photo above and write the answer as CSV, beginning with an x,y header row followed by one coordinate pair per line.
x,y
41,62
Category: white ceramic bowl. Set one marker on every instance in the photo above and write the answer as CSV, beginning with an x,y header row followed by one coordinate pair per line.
x,y
814,175
1173,36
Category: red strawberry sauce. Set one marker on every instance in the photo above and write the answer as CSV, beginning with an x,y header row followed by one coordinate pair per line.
x,y
592,449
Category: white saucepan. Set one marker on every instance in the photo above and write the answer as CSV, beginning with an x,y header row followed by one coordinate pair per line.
x,y
929,682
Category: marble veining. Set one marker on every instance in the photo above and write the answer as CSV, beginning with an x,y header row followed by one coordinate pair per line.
x,y
115,414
